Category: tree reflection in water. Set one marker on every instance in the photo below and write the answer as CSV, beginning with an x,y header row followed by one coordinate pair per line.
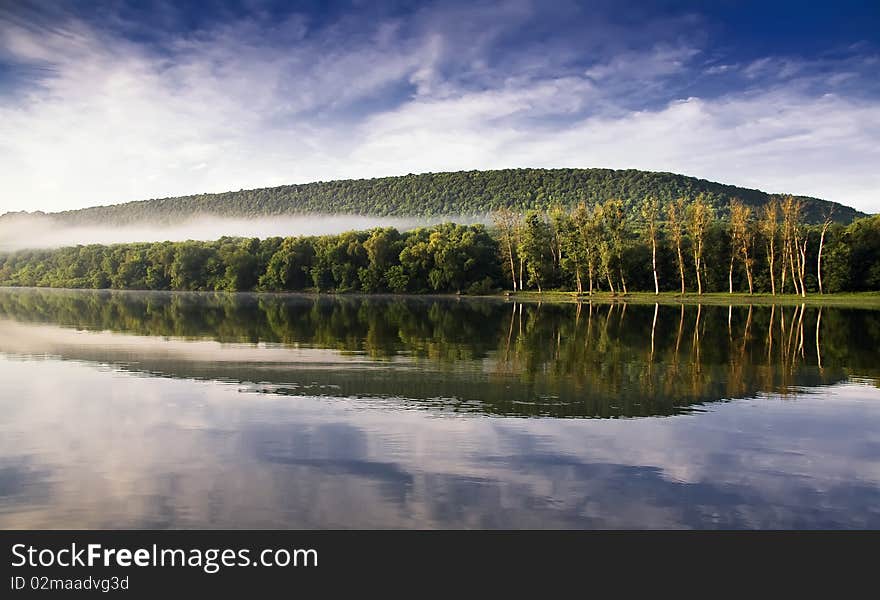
x,y
490,356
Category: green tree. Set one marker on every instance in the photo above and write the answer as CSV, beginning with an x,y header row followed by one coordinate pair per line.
x,y
675,212
650,210
699,219
290,266
535,248
190,267
507,222
769,227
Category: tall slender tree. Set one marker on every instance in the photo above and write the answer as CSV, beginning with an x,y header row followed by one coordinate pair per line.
x,y
507,223
825,225
699,218
769,227
614,227
558,218
650,216
676,214
742,236
734,245
589,224
535,248
794,248
578,246
604,244
570,254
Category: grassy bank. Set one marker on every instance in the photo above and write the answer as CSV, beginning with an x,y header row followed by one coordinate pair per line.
x,y
853,299
856,299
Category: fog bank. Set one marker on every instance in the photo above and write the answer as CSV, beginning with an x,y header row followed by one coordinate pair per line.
x,y
18,232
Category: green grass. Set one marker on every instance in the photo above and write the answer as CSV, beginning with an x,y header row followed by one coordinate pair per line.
x,y
853,299
848,299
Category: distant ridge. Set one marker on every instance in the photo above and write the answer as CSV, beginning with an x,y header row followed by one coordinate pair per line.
x,y
465,193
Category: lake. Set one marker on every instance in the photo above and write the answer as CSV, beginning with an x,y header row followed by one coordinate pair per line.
x,y
189,410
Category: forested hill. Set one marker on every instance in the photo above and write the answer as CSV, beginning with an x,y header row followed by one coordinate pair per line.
x,y
433,194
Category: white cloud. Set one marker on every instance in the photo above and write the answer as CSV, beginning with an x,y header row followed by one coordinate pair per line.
x,y
250,105
775,140
644,66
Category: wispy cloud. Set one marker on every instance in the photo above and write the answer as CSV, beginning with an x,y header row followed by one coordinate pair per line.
x,y
104,116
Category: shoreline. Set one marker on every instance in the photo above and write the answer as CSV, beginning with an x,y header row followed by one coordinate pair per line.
x,y
848,299
866,299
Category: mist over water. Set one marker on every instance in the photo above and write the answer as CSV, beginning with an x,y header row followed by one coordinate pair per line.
x,y
18,232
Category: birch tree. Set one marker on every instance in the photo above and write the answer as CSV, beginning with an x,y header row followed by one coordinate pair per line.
x,y
675,213
769,227
825,225
742,237
699,218
650,216
507,223
794,247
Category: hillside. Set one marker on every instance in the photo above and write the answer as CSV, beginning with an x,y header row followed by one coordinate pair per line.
x,y
433,194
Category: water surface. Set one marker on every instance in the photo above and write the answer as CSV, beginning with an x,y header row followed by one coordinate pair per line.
x,y
268,411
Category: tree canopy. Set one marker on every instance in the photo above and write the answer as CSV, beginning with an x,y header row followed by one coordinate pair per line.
x,y
457,193
583,249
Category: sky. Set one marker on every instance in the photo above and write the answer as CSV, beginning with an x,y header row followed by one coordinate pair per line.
x,y
108,102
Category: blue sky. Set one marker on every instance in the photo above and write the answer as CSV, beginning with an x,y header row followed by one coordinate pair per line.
x,y
110,102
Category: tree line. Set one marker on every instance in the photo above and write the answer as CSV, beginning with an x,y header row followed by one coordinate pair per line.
x,y
680,245
474,193
685,246
440,259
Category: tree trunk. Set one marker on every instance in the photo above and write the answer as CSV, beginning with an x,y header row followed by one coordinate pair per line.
x,y
819,259
654,264
512,266
794,279
623,282
802,263
782,271
681,268
610,283
771,259
590,269
749,275
730,275
522,261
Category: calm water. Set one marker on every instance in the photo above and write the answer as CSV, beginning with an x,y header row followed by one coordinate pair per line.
x,y
124,410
